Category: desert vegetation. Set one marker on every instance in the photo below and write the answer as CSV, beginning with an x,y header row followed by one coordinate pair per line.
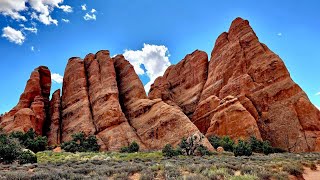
x,y
80,159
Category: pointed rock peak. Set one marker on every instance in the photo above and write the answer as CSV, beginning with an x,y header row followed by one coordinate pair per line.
x,y
239,28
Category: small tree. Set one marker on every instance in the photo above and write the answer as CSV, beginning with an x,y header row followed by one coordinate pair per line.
x,y
80,143
9,149
267,148
133,147
169,151
227,143
203,151
242,149
191,144
215,141
31,141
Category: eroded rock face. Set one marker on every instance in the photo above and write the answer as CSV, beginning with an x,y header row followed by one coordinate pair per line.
x,y
54,132
32,108
245,90
76,109
243,67
155,122
181,84
112,127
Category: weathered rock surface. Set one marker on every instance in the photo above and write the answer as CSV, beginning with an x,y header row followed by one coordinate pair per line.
x,y
54,131
76,109
32,108
245,90
155,122
112,127
243,67
181,84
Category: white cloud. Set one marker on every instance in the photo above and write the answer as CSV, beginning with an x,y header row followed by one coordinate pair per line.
x,y
84,7
279,34
13,35
65,20
31,29
93,10
154,58
12,8
57,78
317,94
32,48
66,8
89,17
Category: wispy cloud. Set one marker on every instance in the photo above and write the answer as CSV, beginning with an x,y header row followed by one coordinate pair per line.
x,y
317,94
89,17
65,20
279,34
57,78
32,48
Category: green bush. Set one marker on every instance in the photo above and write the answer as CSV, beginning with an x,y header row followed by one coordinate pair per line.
x,y
243,148
267,148
215,141
256,145
9,149
80,143
31,141
27,157
227,143
203,151
169,151
133,147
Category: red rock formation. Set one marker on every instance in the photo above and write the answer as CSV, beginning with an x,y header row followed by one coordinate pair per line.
x,y
54,132
113,129
76,109
32,108
244,90
181,84
156,122
243,67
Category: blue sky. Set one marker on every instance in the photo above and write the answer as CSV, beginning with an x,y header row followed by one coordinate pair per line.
x,y
152,34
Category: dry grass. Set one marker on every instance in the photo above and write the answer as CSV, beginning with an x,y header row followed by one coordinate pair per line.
x,y
153,165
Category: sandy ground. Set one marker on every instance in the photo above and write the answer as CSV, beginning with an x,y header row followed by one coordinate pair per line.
x,y
311,175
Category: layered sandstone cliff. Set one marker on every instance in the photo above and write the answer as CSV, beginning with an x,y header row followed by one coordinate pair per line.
x,y
244,90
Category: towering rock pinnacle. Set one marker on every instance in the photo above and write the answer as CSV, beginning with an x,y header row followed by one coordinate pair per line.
x,y
33,106
244,90
155,122
246,69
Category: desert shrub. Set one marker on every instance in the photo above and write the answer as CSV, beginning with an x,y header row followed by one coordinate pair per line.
x,y
242,149
267,148
169,151
80,143
293,169
190,145
227,143
215,141
31,141
9,149
256,145
203,151
26,157
133,147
